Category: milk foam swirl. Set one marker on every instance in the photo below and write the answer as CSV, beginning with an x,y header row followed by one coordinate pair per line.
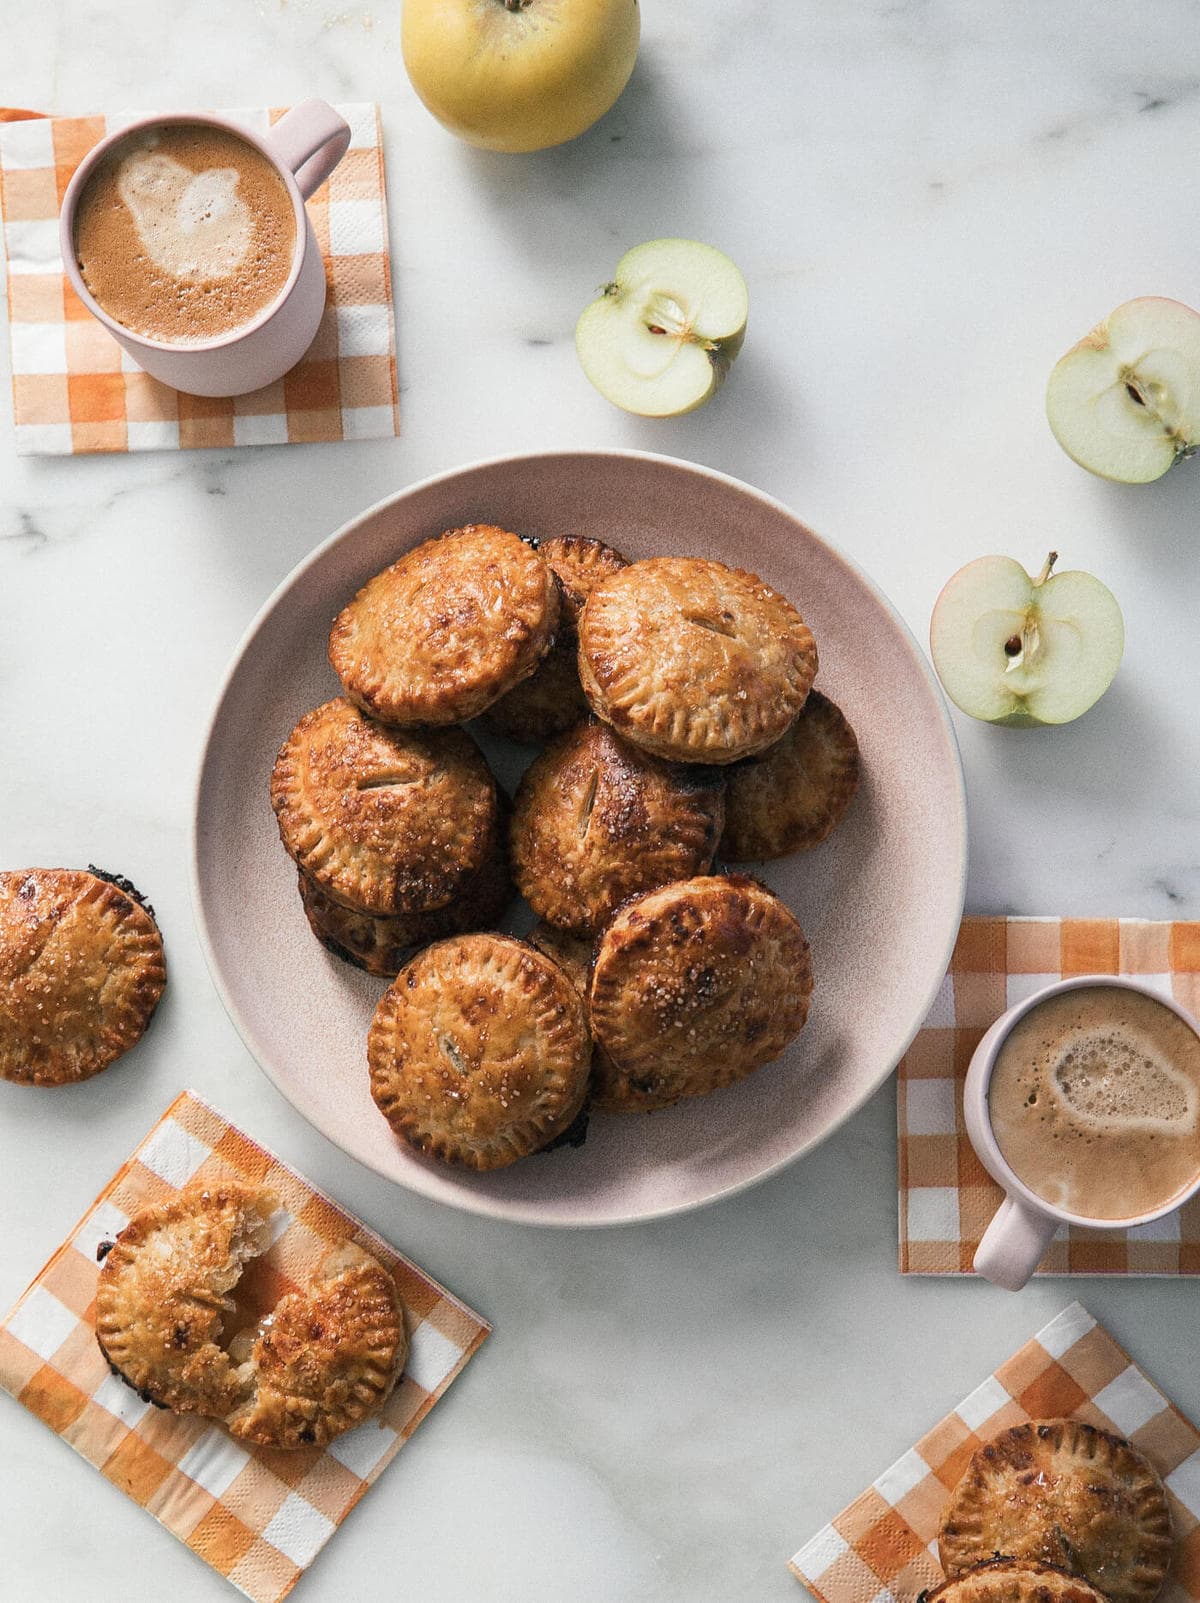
x,y
191,224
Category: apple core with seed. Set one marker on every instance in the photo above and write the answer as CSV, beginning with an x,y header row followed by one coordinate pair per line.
x,y
1125,402
663,334
1013,649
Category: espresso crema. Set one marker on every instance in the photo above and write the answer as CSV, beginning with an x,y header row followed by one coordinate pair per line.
x,y
1095,1102
184,232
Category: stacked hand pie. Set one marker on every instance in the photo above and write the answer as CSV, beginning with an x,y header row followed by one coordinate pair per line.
x,y
676,696
1055,1511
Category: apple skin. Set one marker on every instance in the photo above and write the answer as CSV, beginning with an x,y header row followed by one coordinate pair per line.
x,y
522,75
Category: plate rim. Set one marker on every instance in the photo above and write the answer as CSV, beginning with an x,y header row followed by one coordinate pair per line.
x,y
525,1213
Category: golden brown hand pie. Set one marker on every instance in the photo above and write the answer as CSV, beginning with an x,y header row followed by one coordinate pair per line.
x,y
326,1358
1006,1581
596,822
693,660
81,973
383,820
579,565
796,793
546,703
552,699
382,945
448,629
694,986
164,1294
314,1366
1060,1492
479,1051
573,954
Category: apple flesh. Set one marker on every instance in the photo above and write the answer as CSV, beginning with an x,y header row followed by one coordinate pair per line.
x,y
1012,649
1125,402
663,334
519,75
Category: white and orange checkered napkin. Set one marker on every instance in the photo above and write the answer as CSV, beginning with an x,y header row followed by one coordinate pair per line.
x,y
946,1195
883,1547
258,1516
75,390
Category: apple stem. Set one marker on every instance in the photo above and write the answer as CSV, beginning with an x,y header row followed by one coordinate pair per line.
x,y
1047,568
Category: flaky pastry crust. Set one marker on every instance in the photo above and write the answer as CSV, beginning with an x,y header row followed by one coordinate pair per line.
x,y
385,821
81,973
448,629
596,821
325,1358
545,704
164,1295
796,793
1008,1581
317,1364
1060,1492
695,986
479,1051
573,954
579,565
694,661
383,945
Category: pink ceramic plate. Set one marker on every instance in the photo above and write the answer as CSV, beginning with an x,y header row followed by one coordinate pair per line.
x,y
880,901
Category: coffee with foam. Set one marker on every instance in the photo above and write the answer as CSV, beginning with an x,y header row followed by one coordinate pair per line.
x,y
1095,1102
185,232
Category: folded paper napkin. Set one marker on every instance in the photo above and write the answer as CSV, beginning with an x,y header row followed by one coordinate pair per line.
x,y
257,1515
883,1547
75,390
946,1195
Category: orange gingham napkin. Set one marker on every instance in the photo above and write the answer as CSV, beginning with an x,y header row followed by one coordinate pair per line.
x,y
258,1516
75,390
946,1195
882,1548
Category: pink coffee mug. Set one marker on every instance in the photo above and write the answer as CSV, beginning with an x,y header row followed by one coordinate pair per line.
x,y
304,147
1021,1229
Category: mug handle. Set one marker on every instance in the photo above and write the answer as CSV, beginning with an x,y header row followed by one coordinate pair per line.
x,y
1013,1244
309,141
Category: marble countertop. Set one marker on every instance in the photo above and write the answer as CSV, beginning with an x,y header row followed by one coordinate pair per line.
x,y
930,201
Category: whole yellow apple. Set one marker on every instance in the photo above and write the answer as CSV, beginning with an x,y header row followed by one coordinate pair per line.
x,y
519,74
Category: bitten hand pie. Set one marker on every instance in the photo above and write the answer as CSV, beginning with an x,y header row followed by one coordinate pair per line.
x,y
325,1358
795,794
317,1364
81,973
479,1051
596,822
695,986
164,1294
448,629
694,661
385,821
1060,1492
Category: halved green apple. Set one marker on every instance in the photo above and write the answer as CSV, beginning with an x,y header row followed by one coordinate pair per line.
x,y
663,334
1013,649
1125,402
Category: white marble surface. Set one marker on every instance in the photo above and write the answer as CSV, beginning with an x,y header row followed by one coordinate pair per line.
x,y
930,201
